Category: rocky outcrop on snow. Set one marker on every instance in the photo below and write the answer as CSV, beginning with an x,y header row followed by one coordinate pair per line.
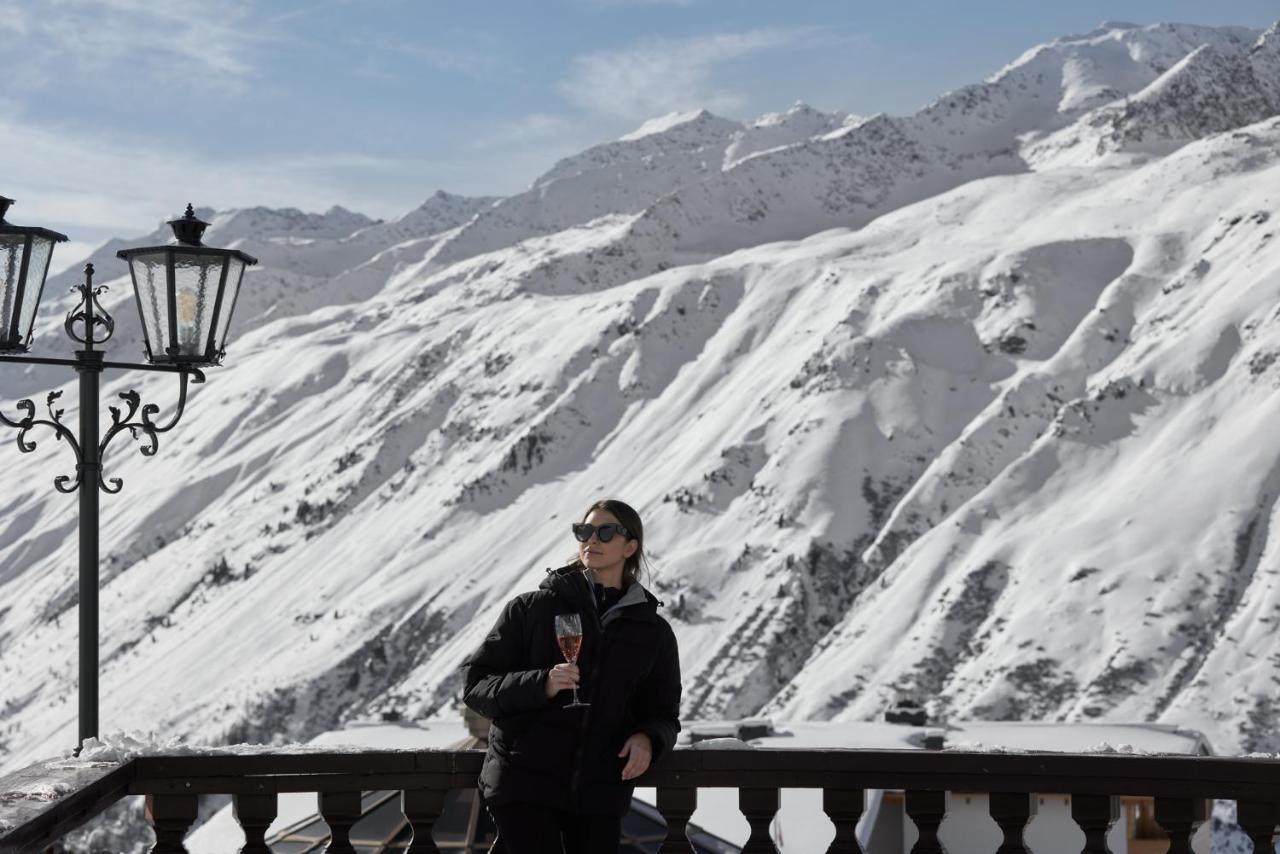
x,y
661,138
1264,61
621,177
290,223
1205,93
773,130
440,213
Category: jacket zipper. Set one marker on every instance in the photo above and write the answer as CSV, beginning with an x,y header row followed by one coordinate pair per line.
x,y
586,715
575,779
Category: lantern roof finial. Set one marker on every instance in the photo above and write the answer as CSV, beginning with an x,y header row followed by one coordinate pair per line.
x,y
189,228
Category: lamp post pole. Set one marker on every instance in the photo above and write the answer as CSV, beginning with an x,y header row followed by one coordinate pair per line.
x,y
190,339
89,367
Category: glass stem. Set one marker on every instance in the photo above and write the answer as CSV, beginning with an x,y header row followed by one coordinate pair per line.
x,y
575,696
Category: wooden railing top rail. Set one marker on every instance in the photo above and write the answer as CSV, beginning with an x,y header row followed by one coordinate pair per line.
x,y
45,800
1103,773
27,818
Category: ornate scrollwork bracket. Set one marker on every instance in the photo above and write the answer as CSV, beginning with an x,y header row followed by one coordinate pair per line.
x,y
142,424
138,420
29,422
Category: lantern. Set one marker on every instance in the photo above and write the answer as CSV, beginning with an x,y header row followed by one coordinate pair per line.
x,y
24,261
186,294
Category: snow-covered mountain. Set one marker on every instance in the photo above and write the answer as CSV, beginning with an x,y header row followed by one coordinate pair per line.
x,y
774,130
973,403
306,261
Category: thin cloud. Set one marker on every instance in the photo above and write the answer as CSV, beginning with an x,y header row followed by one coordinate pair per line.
x,y
163,41
658,76
531,127
474,62
90,186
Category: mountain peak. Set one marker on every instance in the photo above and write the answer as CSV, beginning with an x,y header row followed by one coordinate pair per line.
x,y
671,121
440,212
799,112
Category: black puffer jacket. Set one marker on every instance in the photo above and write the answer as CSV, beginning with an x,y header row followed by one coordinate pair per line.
x,y
539,751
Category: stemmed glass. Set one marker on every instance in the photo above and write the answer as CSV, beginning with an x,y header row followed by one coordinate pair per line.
x,y
569,636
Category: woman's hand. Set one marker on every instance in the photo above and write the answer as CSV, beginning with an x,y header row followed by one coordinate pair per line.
x,y
560,677
640,749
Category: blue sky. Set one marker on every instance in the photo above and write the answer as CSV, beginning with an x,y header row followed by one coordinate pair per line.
x,y
115,113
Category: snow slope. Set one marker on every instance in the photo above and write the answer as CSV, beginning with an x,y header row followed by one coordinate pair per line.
x,y
905,408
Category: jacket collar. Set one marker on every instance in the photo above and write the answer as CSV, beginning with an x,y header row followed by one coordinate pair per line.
x,y
570,581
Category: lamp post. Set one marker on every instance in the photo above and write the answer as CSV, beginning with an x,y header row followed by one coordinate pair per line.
x,y
186,293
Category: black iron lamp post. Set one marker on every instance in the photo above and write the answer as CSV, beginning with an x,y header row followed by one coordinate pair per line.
x,y
186,293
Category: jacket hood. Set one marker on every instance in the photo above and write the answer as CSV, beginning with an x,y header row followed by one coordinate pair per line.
x,y
570,582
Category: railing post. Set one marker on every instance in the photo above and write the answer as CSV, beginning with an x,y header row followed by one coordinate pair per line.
x,y
758,806
1181,818
422,807
1259,819
255,814
170,816
844,808
1095,814
340,811
1012,811
676,805
927,809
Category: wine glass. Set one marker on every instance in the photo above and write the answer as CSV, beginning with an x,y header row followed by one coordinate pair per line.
x,y
569,636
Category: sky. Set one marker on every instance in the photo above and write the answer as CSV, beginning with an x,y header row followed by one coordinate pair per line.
x,y
116,113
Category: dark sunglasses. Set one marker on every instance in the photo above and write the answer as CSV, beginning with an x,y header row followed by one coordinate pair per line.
x,y
582,531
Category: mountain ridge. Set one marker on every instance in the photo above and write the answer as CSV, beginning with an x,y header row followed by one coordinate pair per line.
x,y
906,408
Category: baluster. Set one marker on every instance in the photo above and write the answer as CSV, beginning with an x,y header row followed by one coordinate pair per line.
x,y
255,813
1258,819
1012,811
170,816
927,809
676,805
758,806
1095,814
1181,818
422,807
340,810
844,808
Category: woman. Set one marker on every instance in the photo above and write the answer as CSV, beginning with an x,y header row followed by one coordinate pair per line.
x,y
558,777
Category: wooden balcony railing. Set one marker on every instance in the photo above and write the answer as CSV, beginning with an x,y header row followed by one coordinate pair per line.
x,y
40,803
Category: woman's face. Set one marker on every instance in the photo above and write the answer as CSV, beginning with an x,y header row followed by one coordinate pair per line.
x,y
597,555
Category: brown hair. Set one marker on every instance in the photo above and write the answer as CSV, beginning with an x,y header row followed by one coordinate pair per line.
x,y
630,520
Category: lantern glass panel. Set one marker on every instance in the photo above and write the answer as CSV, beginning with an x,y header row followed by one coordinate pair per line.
x,y
10,269
195,278
41,250
235,269
150,285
